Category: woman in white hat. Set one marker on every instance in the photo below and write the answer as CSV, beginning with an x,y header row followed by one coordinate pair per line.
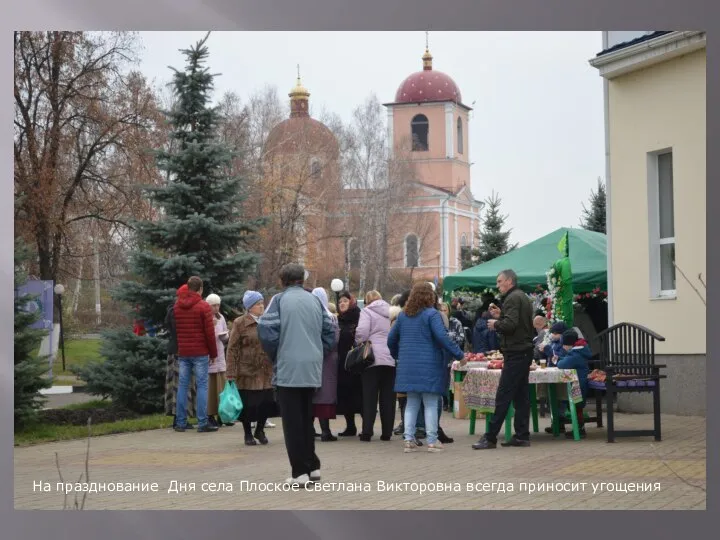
x,y
216,371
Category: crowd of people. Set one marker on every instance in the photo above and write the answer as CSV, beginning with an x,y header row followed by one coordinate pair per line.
x,y
288,359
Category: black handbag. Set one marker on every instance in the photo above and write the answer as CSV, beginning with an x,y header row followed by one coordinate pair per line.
x,y
359,358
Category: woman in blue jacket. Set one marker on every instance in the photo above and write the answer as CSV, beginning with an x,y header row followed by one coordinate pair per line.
x,y
418,340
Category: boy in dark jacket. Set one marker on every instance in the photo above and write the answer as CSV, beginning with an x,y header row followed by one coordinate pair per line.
x,y
577,356
554,351
484,340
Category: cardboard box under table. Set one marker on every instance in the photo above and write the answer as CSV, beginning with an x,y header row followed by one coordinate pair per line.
x,y
479,388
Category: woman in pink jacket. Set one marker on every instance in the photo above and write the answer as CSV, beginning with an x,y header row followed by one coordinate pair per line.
x,y
378,380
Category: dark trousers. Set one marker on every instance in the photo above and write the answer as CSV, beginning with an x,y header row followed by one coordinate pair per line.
x,y
378,385
296,411
513,388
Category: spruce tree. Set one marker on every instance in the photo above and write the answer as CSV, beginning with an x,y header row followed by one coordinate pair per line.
x,y
593,219
200,232
30,369
492,241
466,258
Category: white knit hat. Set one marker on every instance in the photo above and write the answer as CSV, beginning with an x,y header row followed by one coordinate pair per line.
x,y
213,299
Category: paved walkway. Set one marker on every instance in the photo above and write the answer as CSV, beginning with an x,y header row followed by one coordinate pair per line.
x,y
57,401
678,464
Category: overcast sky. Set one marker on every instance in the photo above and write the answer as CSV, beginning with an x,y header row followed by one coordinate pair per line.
x,y
536,133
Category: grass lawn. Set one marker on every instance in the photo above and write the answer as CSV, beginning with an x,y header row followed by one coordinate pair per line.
x,y
78,352
44,432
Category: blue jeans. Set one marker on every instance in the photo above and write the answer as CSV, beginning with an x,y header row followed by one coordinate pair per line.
x,y
188,364
412,408
421,415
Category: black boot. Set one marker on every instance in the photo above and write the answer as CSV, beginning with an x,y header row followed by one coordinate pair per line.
x,y
249,439
351,429
561,427
174,421
326,435
444,438
583,434
260,436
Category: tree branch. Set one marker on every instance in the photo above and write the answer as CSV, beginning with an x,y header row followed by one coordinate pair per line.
x,y
690,283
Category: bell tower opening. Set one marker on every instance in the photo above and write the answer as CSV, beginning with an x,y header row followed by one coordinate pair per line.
x,y
420,128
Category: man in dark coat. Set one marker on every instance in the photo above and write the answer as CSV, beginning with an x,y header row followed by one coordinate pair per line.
x,y
514,324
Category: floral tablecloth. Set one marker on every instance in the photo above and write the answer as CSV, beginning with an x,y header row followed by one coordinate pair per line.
x,y
480,385
457,365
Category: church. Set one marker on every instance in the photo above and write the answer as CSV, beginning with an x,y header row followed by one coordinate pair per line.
x,y
416,225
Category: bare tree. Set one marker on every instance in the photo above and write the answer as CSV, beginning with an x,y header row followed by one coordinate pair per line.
x,y
380,186
297,187
83,125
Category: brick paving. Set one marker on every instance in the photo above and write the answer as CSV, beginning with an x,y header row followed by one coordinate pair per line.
x,y
678,463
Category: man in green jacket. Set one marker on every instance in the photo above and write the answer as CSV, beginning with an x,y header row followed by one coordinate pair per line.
x,y
514,324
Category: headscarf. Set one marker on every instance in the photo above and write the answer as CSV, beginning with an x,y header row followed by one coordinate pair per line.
x,y
352,314
353,301
322,295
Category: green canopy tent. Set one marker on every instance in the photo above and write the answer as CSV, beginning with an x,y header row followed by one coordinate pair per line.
x,y
588,257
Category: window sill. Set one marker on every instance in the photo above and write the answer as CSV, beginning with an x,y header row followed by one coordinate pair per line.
x,y
662,298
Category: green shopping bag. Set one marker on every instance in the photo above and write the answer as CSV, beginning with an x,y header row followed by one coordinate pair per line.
x,y
230,403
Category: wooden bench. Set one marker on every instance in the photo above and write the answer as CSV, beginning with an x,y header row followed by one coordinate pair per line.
x,y
627,356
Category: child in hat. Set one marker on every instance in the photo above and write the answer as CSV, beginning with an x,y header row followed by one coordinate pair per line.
x,y
577,355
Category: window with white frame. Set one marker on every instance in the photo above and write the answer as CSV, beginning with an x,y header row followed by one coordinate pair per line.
x,y
661,222
412,251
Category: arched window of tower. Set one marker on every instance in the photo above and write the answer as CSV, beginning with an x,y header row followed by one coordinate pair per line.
x,y
315,168
420,127
459,135
412,251
353,253
464,248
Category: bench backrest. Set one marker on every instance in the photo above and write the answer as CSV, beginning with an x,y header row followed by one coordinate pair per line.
x,y
627,344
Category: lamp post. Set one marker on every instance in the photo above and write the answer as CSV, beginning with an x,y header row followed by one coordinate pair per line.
x,y
337,285
59,290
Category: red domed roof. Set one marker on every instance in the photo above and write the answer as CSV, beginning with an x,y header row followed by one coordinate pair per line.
x,y
428,85
302,135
